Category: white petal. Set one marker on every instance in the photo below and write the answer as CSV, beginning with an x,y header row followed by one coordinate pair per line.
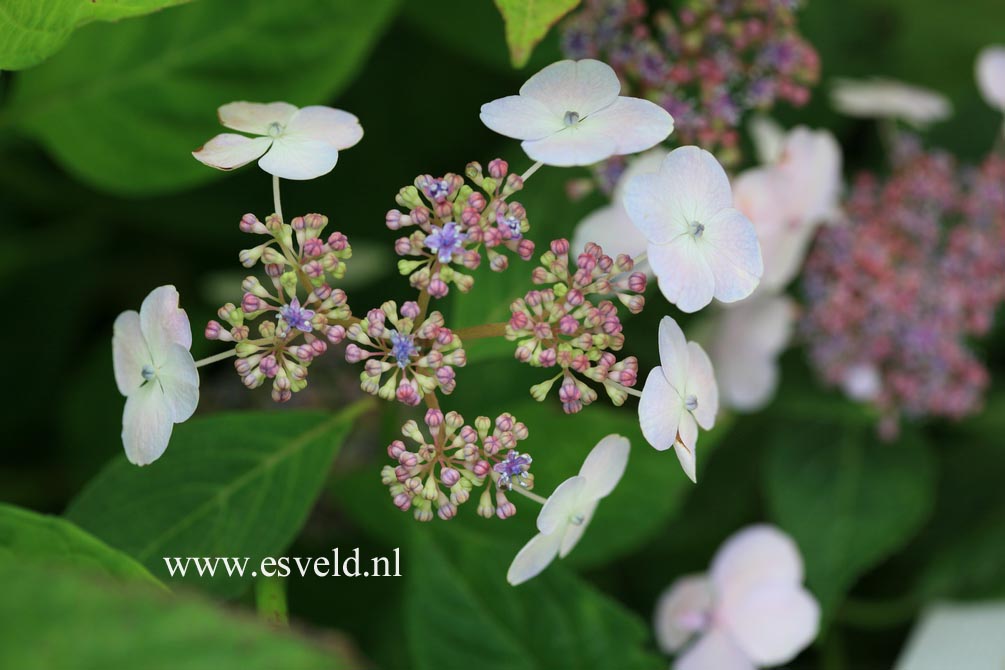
x,y
179,379
146,425
574,531
674,357
229,151
533,558
611,228
885,98
521,117
991,75
949,634
698,185
164,323
604,466
574,145
748,339
714,651
298,157
701,383
756,555
129,352
563,503
660,409
335,126
768,137
255,117
634,124
729,244
810,170
649,206
686,447
773,623
645,163
683,273
681,611
862,382
583,86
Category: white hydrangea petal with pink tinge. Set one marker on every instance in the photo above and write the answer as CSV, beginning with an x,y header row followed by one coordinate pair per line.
x,y
292,143
567,512
990,70
700,247
155,372
880,98
750,611
679,396
746,342
571,113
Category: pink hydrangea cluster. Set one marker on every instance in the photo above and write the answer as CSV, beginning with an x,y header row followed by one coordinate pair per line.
x,y
453,224
893,296
413,359
297,258
707,62
442,469
562,327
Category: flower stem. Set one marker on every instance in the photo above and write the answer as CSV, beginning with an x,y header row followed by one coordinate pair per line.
x,y
423,301
641,258
529,494
222,356
481,332
276,203
631,391
531,170
270,601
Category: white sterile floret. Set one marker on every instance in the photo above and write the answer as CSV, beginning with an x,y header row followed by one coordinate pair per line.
x,y
569,509
889,99
679,396
290,143
991,75
571,113
700,246
155,372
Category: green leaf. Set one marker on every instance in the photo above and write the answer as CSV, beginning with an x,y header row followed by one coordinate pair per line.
x,y
122,107
28,537
236,485
462,613
528,21
848,499
33,30
59,619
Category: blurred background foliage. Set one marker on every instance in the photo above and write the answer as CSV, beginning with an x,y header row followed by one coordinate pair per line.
x,y
102,201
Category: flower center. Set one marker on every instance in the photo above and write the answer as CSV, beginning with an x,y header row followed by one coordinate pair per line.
x,y
446,241
148,372
571,118
514,466
296,316
275,130
577,520
402,348
691,402
697,229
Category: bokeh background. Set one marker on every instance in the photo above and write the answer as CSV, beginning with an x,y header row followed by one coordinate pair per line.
x,y
101,201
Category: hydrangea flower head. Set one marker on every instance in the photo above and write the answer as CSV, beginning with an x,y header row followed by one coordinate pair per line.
x,y
679,395
565,516
288,142
155,372
700,247
571,113
750,610
991,75
889,99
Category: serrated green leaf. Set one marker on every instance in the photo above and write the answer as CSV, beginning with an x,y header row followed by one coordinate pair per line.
x,y
61,619
39,539
461,612
122,107
528,21
848,499
229,485
32,30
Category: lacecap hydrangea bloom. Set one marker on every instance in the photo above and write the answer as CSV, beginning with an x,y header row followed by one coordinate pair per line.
x,y
566,514
155,372
288,142
679,396
700,246
749,611
571,113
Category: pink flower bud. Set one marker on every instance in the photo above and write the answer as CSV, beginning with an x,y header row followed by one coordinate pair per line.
x,y
395,449
559,247
449,476
335,334
481,468
434,418
402,501
498,168
525,249
637,282
437,287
